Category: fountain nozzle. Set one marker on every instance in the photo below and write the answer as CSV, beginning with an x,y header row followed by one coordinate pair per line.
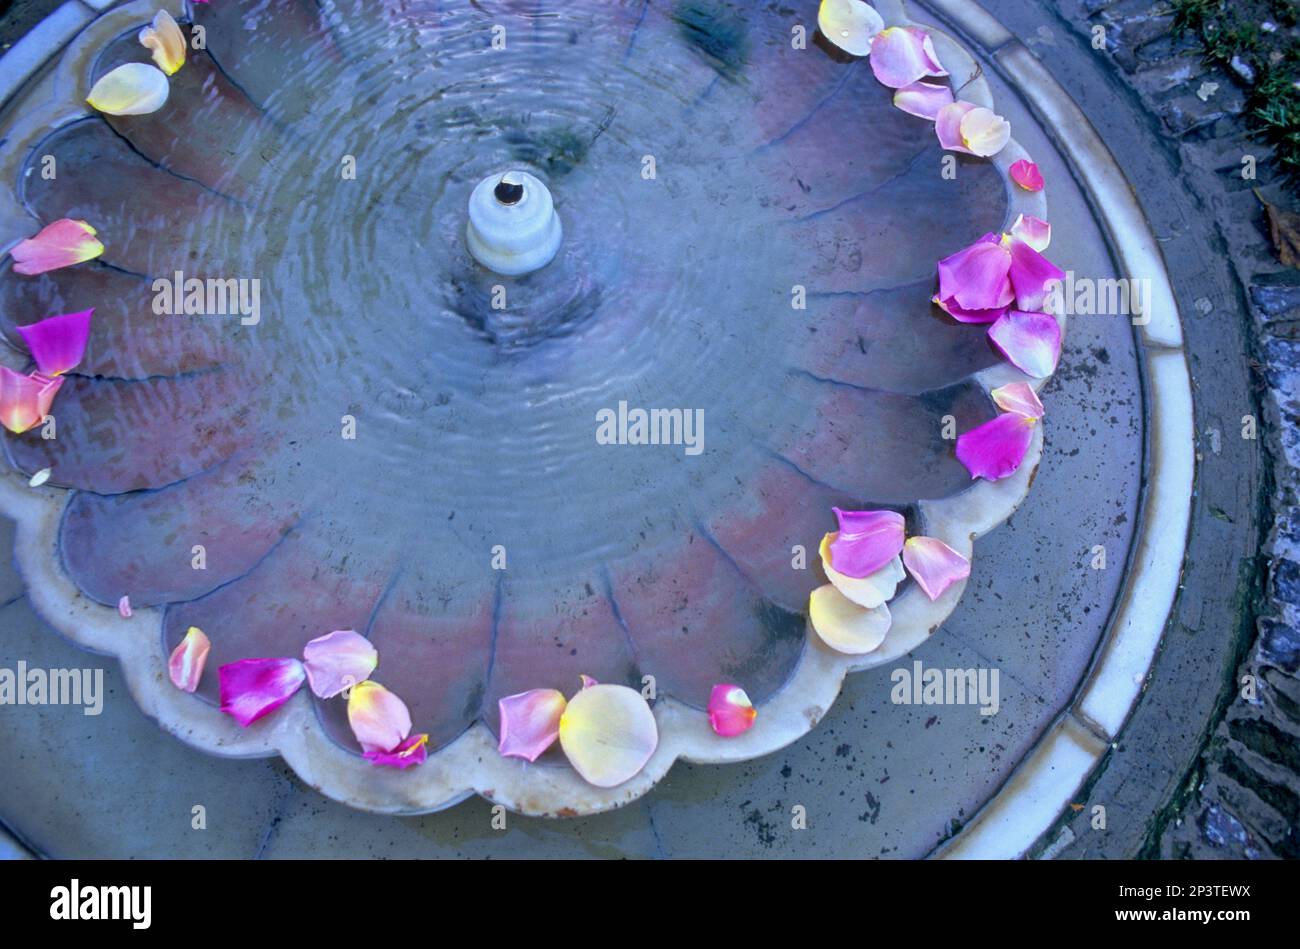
x,y
513,228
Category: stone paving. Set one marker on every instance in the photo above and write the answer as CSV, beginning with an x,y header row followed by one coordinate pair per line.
x,y
1243,798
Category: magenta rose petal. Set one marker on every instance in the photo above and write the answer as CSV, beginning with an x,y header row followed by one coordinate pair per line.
x,y
254,688
413,750
1030,341
865,541
996,449
1026,174
978,277
57,343
934,565
1032,275
730,711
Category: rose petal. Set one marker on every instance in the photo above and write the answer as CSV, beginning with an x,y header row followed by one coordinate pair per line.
x,y
1026,174
38,479
901,55
251,688
188,659
338,661
947,125
412,751
977,277
130,89
25,400
730,711
1019,398
963,315
1031,275
869,591
1033,231
934,565
995,449
587,681
608,734
1030,341
845,626
61,244
57,343
124,607
866,541
379,719
849,24
984,132
924,99
530,721
166,41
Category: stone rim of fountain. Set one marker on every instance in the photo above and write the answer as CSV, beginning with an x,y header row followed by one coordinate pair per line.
x,y
470,764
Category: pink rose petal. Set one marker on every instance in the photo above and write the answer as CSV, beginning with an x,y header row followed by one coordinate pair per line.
x,y
1026,174
1033,231
866,541
530,721
902,55
412,751
338,661
996,449
379,719
1032,276
185,667
25,400
923,99
1030,341
1018,398
947,125
61,244
251,688
934,565
57,343
978,277
730,711
124,607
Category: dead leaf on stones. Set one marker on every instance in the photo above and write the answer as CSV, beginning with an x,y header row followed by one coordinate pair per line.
x,y
1285,227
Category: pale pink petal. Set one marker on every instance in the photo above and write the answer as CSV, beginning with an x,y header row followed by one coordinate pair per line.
x,y
188,659
947,125
587,681
530,721
412,751
730,711
849,24
924,99
124,607
1019,398
61,244
843,625
251,688
1032,275
57,343
984,132
1033,231
338,661
608,733
1026,174
866,541
1030,341
379,719
934,565
996,449
902,55
25,400
977,278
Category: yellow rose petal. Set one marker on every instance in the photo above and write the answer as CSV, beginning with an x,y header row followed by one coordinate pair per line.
x,y
845,626
608,734
131,89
